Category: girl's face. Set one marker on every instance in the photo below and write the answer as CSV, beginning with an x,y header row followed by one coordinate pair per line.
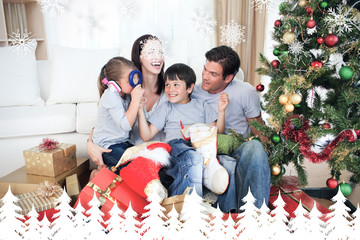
x,y
151,56
124,81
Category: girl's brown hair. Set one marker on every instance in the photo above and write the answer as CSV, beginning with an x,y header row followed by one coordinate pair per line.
x,y
113,70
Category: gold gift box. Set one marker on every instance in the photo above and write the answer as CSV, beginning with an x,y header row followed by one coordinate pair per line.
x,y
50,162
41,203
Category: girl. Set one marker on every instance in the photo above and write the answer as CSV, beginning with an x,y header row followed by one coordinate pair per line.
x,y
116,113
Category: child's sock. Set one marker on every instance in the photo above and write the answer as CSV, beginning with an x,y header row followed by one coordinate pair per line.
x,y
204,140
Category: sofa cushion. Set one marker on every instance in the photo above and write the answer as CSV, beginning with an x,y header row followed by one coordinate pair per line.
x,y
75,74
36,120
19,85
85,117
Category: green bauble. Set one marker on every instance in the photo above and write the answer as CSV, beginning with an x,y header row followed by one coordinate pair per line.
x,y
256,138
346,73
323,4
275,138
283,170
345,189
276,52
297,105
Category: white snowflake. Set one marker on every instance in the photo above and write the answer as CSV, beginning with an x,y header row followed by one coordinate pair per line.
x,y
126,9
203,21
296,48
232,34
311,31
340,19
260,4
153,49
53,7
22,42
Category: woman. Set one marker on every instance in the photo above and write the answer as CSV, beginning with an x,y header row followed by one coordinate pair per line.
x,y
147,55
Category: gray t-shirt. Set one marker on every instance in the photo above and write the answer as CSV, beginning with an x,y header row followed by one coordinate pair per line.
x,y
244,102
112,126
169,115
135,135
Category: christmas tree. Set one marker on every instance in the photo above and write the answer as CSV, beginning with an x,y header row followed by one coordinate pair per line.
x,y
314,96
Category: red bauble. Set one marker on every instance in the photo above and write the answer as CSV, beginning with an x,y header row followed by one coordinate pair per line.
x,y
260,87
320,40
316,64
308,10
331,40
275,63
311,23
331,183
326,126
278,23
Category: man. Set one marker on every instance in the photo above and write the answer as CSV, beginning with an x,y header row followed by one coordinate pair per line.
x,y
248,166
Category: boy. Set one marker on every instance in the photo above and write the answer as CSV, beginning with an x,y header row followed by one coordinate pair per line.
x,y
186,161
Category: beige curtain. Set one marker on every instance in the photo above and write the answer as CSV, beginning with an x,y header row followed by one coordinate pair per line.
x,y
243,12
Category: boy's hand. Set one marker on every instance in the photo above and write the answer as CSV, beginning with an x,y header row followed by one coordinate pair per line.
x,y
223,101
137,93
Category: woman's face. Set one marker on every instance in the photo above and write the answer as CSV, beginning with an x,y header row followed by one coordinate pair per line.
x,y
151,56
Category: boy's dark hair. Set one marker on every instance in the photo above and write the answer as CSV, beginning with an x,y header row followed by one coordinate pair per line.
x,y
182,72
226,57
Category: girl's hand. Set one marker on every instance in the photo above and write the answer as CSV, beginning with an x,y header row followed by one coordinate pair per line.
x,y
223,101
137,94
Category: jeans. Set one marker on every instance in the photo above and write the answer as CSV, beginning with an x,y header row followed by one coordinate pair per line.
x,y
112,158
186,168
252,171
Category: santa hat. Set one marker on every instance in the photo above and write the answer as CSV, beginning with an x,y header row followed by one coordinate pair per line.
x,y
158,152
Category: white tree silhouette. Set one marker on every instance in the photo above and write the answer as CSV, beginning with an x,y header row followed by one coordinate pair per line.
x,y
45,228
115,222
195,220
279,229
248,223
32,225
355,224
11,225
217,225
94,226
153,225
131,224
263,222
229,228
80,221
173,224
338,223
63,218
298,224
315,226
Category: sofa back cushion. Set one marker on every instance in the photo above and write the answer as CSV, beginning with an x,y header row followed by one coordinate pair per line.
x,y
19,85
75,73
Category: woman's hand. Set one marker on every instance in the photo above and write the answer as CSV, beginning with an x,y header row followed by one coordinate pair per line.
x,y
95,152
223,101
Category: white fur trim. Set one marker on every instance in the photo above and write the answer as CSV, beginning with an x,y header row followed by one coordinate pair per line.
x,y
158,155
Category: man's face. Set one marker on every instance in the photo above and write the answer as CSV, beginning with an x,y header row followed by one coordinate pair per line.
x,y
212,78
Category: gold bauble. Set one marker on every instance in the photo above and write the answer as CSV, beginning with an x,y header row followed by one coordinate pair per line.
x,y
289,107
302,3
295,98
275,169
283,99
289,37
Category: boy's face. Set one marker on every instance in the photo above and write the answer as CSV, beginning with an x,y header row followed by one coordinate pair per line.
x,y
176,91
212,78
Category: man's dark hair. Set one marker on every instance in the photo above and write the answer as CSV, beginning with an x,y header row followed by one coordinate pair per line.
x,y
226,57
182,72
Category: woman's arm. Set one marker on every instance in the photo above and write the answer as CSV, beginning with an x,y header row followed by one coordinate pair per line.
x,y
136,96
95,151
147,132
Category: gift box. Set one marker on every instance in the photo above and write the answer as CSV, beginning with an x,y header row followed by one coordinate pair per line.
x,y
292,196
21,182
40,201
51,162
110,188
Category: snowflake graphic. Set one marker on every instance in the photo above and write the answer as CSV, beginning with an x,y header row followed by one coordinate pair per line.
x,y
53,7
296,48
152,48
22,42
340,19
126,9
232,34
203,22
311,31
260,4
